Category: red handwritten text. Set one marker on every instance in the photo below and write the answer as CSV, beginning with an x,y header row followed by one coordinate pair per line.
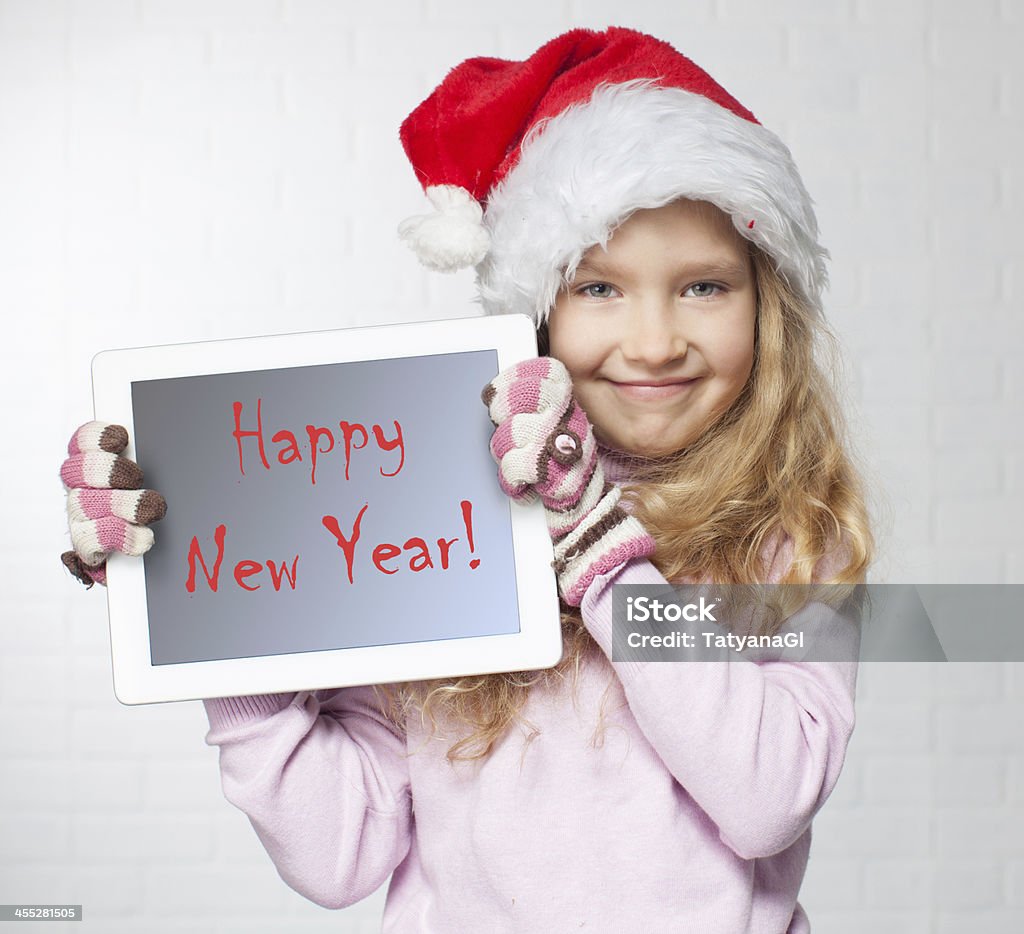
x,y
318,440
243,569
386,557
419,553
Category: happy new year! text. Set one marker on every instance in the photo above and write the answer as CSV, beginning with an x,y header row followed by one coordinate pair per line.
x,y
416,555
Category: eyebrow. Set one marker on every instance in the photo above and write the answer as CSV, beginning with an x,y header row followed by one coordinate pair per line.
x,y
712,266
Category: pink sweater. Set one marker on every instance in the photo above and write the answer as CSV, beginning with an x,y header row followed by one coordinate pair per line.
x,y
691,812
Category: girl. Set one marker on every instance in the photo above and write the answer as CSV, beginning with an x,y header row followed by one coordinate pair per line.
x,y
679,428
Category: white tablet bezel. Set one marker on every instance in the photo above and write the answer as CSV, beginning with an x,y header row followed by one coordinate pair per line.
x,y
137,681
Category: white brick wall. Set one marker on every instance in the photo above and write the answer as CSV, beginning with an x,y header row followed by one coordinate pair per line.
x,y
175,170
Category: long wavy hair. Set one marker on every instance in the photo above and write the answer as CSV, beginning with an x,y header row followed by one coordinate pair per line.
x,y
776,463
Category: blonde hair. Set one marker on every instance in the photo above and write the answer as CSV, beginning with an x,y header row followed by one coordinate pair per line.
x,y
776,464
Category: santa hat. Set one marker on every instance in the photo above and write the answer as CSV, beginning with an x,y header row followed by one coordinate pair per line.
x,y
529,164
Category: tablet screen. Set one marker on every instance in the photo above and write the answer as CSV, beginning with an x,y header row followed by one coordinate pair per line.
x,y
324,507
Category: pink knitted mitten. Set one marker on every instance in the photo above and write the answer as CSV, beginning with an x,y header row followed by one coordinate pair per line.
x,y
545,447
107,510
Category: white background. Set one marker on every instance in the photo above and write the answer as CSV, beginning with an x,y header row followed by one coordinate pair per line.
x,y
173,170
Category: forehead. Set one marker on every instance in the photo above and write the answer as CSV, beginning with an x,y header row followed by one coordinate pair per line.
x,y
694,231
681,219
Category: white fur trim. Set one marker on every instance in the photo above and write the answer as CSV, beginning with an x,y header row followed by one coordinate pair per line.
x,y
631,146
453,237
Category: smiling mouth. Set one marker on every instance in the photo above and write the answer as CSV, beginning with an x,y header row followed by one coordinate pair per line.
x,y
661,389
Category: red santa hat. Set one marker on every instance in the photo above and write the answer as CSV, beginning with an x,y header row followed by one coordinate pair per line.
x,y
529,164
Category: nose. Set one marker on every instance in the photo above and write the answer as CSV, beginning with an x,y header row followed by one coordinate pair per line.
x,y
654,335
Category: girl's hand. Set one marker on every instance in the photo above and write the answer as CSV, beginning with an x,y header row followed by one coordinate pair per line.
x,y
107,509
544,445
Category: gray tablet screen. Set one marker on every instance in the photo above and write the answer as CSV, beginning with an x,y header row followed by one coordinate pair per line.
x,y
324,507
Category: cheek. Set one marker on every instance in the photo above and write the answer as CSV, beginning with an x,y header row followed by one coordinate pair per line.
x,y
736,355
743,364
568,342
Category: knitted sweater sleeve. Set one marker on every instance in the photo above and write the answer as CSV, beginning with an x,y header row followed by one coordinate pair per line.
x,y
324,781
758,746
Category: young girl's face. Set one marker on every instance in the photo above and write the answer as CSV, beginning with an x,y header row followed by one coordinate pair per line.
x,y
657,330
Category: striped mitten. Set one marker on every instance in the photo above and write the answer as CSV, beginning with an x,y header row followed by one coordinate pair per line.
x,y
107,510
545,447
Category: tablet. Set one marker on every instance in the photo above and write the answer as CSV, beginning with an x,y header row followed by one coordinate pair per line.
x,y
333,514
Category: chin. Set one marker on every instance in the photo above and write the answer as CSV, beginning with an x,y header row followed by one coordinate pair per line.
x,y
649,448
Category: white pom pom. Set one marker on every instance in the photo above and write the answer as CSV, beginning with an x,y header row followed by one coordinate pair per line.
x,y
454,237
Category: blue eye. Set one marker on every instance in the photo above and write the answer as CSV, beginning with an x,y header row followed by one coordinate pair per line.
x,y
597,290
706,289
